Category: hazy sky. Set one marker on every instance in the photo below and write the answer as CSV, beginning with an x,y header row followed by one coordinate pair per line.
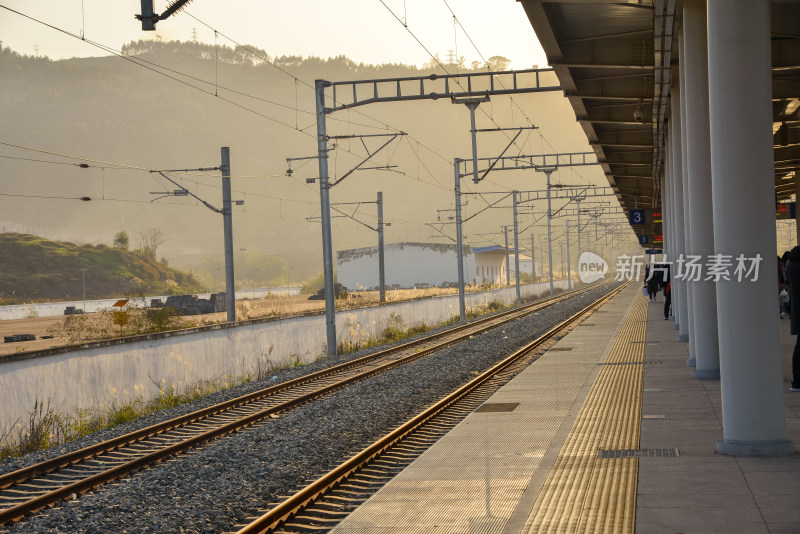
x,y
364,30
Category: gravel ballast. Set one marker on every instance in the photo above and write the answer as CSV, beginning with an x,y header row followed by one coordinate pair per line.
x,y
219,485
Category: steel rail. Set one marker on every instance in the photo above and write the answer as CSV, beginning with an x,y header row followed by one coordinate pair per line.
x,y
17,512
112,444
295,504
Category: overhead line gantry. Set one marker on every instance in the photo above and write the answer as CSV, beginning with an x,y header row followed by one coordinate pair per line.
x,y
468,88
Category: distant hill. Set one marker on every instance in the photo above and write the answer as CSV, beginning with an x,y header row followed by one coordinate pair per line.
x,y
111,111
36,269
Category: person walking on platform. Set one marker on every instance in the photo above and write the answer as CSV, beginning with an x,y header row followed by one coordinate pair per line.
x,y
667,288
652,285
793,279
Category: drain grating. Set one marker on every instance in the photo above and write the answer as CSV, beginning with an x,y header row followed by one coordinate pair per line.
x,y
587,324
498,407
638,453
648,342
631,363
560,349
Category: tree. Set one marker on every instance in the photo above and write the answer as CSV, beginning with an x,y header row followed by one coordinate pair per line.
x,y
121,240
433,63
498,63
149,241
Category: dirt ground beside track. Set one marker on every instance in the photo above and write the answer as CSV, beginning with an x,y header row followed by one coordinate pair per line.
x,y
249,309
245,309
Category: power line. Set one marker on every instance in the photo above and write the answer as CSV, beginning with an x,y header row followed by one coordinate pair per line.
x,y
164,72
152,67
67,156
513,101
105,164
120,166
147,65
46,161
447,72
438,62
133,201
309,86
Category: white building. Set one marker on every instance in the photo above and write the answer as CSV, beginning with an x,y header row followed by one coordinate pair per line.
x,y
490,265
524,264
409,265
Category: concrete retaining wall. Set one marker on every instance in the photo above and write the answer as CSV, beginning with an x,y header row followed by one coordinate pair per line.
x,y
98,376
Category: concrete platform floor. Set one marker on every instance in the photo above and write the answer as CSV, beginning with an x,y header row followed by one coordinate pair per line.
x,y
702,491
489,474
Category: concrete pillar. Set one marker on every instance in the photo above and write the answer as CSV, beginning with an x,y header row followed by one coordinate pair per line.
x,y
797,202
679,286
667,224
666,248
688,321
682,316
701,228
670,214
740,78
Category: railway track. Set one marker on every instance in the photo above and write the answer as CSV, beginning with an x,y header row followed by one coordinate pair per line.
x,y
30,489
322,504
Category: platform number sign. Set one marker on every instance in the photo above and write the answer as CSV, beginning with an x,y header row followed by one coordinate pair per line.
x,y
642,239
637,216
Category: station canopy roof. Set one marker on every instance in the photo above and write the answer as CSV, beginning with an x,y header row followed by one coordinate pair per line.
x,y
615,61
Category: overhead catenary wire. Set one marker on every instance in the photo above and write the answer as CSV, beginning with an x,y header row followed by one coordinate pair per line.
x,y
135,201
433,57
120,166
298,81
305,83
155,68
511,98
147,65
140,60
442,66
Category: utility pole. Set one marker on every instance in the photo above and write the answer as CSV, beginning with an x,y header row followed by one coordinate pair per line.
x,y
533,258
508,264
227,220
379,229
462,312
381,275
325,209
548,172
569,263
578,201
596,239
540,163
516,245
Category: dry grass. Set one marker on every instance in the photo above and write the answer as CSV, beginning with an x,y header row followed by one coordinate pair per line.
x,y
98,326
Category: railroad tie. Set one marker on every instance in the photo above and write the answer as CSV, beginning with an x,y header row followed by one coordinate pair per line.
x,y
584,493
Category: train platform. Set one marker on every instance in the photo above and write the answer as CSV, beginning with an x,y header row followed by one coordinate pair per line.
x,y
606,433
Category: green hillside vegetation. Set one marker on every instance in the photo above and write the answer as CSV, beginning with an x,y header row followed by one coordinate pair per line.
x,y
36,269
108,109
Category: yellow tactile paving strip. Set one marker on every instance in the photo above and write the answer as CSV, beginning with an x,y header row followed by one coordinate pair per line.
x,y
584,494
